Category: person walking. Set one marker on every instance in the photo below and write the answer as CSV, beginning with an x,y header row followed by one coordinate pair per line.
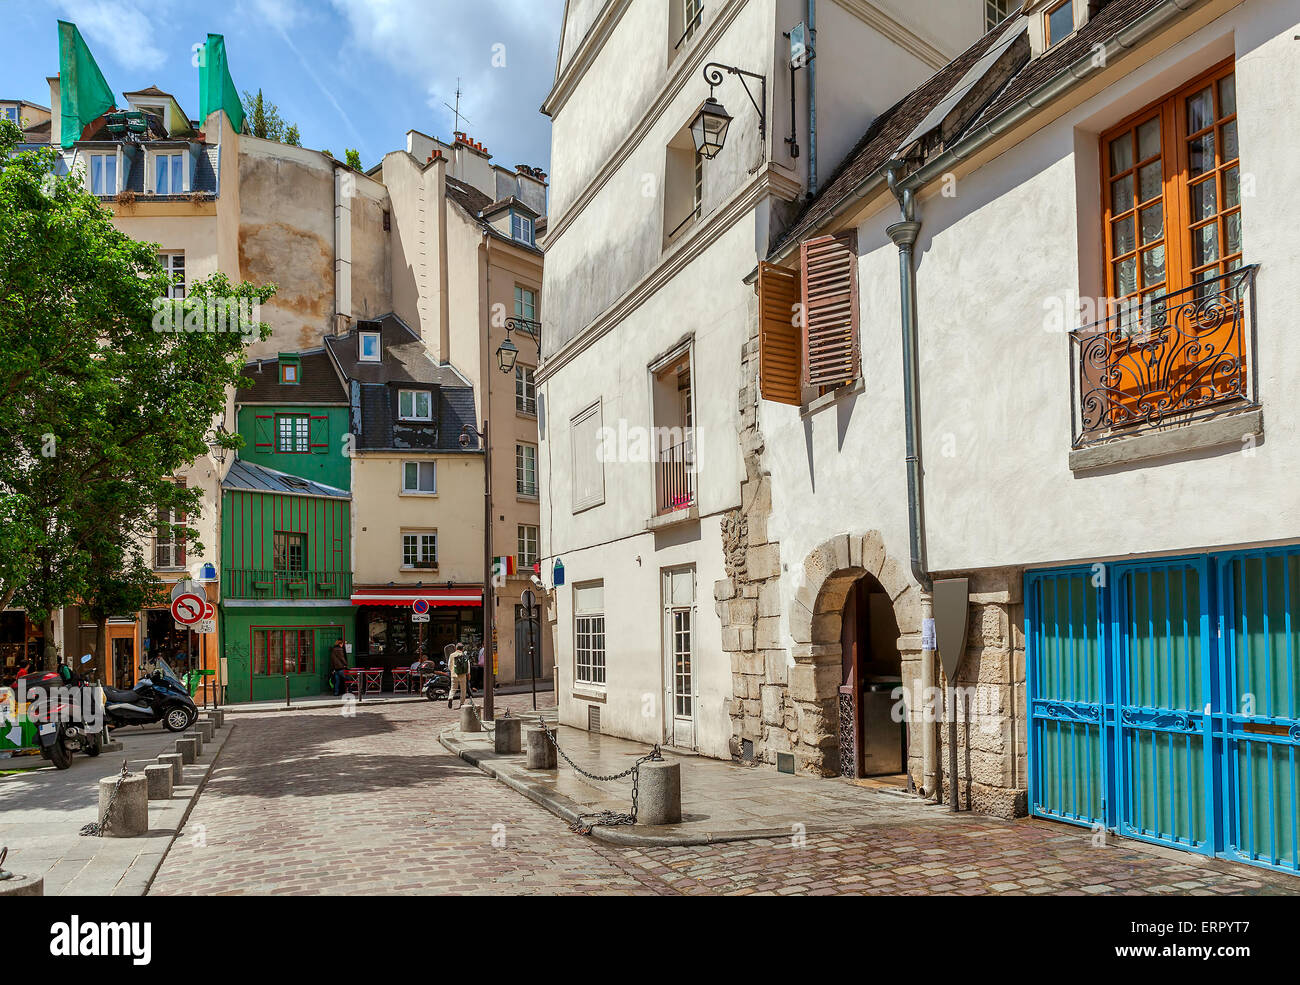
x,y
458,667
338,664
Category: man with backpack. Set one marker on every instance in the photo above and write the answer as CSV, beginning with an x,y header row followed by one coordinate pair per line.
x,y
458,667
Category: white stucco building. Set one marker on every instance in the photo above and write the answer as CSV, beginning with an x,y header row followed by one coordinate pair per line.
x,y
647,312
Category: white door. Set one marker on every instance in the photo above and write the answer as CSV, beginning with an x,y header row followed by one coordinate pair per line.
x,y
679,657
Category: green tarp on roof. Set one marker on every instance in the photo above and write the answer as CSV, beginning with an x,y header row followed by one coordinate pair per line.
x,y
216,88
83,93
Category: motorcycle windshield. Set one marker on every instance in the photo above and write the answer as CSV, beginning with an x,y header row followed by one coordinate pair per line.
x,y
168,673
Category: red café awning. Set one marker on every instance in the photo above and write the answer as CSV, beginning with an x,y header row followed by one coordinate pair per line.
x,y
404,595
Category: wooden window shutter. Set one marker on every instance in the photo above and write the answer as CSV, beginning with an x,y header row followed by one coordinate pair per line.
x,y
319,434
262,425
830,310
778,334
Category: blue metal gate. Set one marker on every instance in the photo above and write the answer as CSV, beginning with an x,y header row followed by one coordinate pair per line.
x,y
1163,701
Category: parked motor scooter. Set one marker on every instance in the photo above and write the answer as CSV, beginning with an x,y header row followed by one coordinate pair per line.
x,y
69,715
160,697
437,687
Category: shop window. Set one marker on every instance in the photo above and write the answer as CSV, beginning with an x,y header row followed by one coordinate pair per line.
x,y
284,651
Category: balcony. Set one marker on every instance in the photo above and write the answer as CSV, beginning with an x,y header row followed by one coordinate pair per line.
x,y
259,583
1173,361
675,478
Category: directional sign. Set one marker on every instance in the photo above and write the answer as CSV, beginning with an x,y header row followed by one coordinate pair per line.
x,y
420,607
188,609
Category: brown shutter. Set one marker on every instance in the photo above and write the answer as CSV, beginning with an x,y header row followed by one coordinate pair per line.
x,y
830,310
778,334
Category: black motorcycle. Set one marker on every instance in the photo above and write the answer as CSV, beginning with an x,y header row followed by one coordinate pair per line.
x,y
67,715
160,697
437,687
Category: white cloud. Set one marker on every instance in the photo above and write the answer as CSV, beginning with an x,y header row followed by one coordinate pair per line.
x,y
119,30
435,43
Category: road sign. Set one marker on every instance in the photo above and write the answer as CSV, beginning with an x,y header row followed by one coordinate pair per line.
x,y
528,600
419,617
205,626
185,587
188,608
420,607
208,611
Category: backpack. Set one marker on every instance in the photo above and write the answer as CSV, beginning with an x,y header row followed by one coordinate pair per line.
x,y
461,664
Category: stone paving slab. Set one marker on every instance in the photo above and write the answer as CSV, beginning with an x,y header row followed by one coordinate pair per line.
x,y
42,810
721,801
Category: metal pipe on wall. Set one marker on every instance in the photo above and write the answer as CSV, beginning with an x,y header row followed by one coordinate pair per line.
x,y
812,99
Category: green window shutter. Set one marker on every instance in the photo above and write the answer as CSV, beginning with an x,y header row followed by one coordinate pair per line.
x,y
263,429
319,435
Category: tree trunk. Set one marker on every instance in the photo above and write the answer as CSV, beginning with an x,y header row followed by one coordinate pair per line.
x,y
101,644
50,652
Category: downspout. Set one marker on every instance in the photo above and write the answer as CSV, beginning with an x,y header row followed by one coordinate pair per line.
x,y
812,99
904,233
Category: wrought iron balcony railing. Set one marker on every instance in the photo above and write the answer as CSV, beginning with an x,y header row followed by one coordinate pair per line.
x,y
261,583
676,477
1169,361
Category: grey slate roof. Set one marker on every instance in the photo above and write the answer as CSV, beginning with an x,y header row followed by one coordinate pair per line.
x,y
405,364
258,478
902,123
320,383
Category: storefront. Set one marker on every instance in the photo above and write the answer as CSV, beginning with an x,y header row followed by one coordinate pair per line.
x,y
19,637
388,637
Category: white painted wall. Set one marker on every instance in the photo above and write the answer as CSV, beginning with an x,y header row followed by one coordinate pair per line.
x,y
995,382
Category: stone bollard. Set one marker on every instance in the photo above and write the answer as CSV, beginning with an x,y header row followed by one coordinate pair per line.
x,y
205,729
217,718
541,751
159,776
20,885
660,788
176,762
198,741
508,732
189,750
129,815
469,720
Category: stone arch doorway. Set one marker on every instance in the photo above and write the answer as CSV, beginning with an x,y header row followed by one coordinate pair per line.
x,y
830,574
871,742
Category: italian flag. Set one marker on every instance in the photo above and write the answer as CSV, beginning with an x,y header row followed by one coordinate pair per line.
x,y
503,566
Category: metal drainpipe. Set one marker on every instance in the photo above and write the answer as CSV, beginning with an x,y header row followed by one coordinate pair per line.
x,y
904,233
812,99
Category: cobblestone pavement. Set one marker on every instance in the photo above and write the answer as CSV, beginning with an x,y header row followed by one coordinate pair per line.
x,y
315,802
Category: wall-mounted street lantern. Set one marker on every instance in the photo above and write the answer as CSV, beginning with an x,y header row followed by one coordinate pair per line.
x,y
217,440
508,352
709,128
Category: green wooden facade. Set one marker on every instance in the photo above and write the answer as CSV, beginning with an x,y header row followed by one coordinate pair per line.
x,y
286,584
272,439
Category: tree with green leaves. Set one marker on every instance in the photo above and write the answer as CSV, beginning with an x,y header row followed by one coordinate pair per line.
x,y
353,158
111,391
262,119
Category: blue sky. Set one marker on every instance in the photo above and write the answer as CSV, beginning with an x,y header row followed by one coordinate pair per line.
x,y
350,73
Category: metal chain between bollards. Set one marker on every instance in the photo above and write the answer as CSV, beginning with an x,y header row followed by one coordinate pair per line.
x,y
94,829
605,817
482,724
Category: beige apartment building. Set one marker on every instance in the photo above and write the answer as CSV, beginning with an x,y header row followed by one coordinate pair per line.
x,y
344,249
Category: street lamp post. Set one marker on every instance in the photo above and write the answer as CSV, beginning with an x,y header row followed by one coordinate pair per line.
x,y
467,435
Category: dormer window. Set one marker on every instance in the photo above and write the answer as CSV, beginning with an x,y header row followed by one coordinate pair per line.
x,y
415,405
1059,22
103,174
521,228
169,174
369,347
290,371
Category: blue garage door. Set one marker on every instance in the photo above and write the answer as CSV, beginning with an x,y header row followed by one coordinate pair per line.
x,y
1163,701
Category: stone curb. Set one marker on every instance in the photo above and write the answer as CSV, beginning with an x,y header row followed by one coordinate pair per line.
x,y
219,742
624,835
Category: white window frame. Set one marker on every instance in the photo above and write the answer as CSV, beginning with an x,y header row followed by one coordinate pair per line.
x,y
525,389
419,468
589,643
522,229
90,172
522,462
419,546
528,536
525,302
361,347
417,396
175,166
14,115
174,267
